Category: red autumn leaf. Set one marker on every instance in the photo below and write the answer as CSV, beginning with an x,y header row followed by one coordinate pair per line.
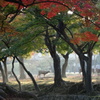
x,y
86,12
84,37
43,12
45,5
74,1
90,36
77,8
55,10
97,28
75,40
51,14
52,8
27,2
87,6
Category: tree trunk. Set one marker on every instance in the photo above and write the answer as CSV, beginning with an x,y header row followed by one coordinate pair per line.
x,y
65,64
5,68
2,73
15,74
85,62
88,71
30,75
22,72
51,45
82,64
57,70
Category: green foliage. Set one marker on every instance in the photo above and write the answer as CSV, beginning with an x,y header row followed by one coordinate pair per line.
x,y
38,22
96,49
62,47
9,9
90,30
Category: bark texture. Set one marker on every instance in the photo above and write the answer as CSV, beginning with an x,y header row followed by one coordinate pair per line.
x,y
65,64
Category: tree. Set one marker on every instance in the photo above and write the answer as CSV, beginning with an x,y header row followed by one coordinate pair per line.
x,y
50,43
2,73
66,58
65,51
22,73
80,44
6,29
49,35
81,51
83,43
83,7
3,59
7,42
17,46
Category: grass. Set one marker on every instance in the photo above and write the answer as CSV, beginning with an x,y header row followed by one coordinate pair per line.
x,y
27,84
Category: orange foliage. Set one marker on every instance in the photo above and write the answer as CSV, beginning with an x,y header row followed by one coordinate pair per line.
x,y
84,37
76,40
52,9
8,29
90,36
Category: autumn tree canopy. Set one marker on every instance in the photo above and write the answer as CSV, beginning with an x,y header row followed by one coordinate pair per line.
x,y
88,10
81,41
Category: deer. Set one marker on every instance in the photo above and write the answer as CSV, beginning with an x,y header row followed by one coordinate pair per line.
x,y
10,74
42,72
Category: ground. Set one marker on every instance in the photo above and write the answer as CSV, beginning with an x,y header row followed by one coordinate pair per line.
x,y
73,85
73,82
